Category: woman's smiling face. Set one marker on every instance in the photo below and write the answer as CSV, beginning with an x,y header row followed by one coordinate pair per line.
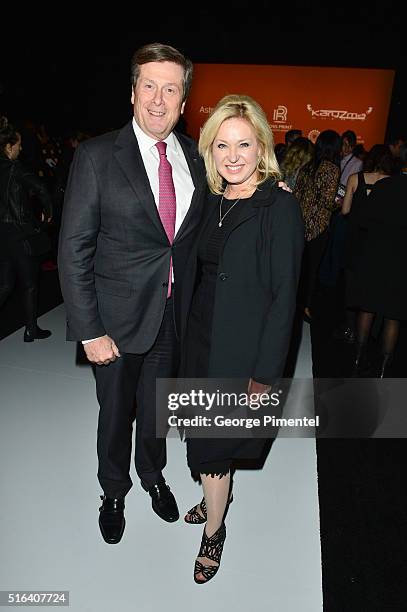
x,y
236,151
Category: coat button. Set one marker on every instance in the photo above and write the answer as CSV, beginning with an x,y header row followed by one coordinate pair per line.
x,y
223,276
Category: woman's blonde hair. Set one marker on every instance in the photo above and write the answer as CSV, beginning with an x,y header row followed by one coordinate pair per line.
x,y
298,154
243,107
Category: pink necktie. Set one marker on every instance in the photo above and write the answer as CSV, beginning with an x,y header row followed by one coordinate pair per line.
x,y
166,199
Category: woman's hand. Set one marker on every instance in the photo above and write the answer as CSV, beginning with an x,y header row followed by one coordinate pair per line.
x,y
256,388
284,186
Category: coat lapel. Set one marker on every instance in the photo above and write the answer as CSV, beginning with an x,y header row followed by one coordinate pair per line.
x,y
128,155
212,203
263,196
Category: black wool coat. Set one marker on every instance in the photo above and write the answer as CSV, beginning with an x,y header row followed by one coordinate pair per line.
x,y
256,290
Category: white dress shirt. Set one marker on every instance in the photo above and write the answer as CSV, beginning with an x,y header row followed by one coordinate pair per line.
x,y
184,187
181,176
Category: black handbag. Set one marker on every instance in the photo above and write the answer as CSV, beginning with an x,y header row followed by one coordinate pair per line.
x,y
35,240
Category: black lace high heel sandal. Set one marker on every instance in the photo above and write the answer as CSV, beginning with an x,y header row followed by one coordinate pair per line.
x,y
211,548
193,517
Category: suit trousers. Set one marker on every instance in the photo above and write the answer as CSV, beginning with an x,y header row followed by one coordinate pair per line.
x,y
126,391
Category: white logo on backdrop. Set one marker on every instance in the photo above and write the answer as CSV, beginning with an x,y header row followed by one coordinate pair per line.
x,y
343,115
280,114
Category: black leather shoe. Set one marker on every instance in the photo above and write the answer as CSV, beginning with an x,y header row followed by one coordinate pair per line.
x,y
163,502
35,334
111,519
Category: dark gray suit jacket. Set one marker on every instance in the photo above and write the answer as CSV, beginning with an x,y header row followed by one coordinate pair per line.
x,y
114,254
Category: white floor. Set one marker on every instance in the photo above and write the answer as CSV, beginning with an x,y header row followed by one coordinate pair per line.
x,y
49,535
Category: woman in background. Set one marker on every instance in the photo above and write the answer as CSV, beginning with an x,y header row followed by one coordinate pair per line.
x,y
316,190
300,152
17,184
376,253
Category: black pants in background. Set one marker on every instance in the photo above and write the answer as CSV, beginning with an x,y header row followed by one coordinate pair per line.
x,y
313,252
130,381
21,268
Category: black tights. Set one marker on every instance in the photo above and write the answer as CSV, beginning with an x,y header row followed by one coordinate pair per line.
x,y
390,332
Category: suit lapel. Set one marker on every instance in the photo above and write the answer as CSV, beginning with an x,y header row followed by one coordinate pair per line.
x,y
128,155
195,166
194,162
196,203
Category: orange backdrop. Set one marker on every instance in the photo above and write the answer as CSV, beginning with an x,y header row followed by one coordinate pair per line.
x,y
308,98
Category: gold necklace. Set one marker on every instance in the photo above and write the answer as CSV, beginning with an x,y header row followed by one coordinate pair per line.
x,y
227,212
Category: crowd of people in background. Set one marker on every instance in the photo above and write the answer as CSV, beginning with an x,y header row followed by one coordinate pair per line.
x,y
50,157
336,182
353,205
34,168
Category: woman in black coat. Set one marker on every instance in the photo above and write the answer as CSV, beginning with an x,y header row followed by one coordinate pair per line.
x,y
17,184
239,292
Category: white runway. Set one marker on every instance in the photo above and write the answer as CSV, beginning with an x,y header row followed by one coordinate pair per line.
x,y
49,534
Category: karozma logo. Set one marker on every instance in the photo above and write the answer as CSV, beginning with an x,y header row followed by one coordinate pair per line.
x,y
344,115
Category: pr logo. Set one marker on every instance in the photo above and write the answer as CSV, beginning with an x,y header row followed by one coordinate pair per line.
x,y
280,114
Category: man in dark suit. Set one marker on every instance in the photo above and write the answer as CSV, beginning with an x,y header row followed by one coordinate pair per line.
x,y
131,209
